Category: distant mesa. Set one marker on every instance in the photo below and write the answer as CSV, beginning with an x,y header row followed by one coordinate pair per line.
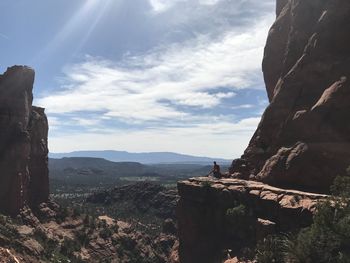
x,y
303,138
144,158
23,143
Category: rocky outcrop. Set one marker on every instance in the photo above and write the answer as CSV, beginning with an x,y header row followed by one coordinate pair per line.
x,y
60,235
23,143
303,138
231,214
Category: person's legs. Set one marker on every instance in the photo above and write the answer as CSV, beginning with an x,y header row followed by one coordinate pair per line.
x,y
217,175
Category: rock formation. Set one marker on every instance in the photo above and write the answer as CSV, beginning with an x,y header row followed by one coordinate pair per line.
x,y
206,225
60,235
23,143
303,138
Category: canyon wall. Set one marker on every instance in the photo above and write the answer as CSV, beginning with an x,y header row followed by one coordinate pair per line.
x,y
303,138
23,143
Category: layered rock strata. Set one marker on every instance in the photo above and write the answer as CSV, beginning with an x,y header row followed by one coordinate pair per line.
x,y
303,138
204,215
23,143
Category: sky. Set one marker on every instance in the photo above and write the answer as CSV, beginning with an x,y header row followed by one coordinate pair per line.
x,y
143,75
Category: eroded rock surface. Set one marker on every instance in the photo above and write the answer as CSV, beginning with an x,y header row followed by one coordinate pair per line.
x,y
23,143
207,225
303,138
59,235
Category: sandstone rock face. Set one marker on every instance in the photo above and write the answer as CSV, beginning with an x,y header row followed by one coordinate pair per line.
x,y
38,166
23,143
303,137
205,225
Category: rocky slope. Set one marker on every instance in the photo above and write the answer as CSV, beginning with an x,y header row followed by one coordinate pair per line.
x,y
217,218
53,234
23,143
303,137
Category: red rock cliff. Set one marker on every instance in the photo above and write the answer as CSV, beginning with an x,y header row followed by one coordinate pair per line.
x,y
206,229
23,143
303,138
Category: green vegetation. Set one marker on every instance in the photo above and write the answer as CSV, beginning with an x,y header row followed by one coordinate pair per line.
x,y
7,229
62,214
69,246
74,179
140,179
272,249
326,240
9,234
236,214
79,177
239,223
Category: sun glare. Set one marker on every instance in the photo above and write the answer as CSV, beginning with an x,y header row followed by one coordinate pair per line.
x,y
84,22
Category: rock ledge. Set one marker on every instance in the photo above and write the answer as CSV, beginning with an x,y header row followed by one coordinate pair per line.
x,y
202,214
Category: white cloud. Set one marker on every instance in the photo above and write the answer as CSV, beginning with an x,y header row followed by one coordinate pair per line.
x,y
85,121
243,106
54,122
208,2
203,99
163,5
154,86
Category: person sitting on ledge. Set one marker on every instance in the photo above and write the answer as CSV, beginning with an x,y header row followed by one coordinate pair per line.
x,y
216,171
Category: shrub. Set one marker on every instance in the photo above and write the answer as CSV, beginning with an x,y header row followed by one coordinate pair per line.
x,y
341,186
87,220
76,212
50,247
236,213
39,235
239,223
69,246
270,250
326,240
83,238
62,214
105,233
115,228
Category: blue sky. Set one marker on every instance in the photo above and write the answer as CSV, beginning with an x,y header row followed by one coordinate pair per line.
x,y
143,75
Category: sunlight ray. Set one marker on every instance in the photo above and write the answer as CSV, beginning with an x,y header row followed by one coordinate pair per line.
x,y
91,8
99,14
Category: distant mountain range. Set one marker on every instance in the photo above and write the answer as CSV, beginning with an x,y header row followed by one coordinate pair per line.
x,y
144,158
88,171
